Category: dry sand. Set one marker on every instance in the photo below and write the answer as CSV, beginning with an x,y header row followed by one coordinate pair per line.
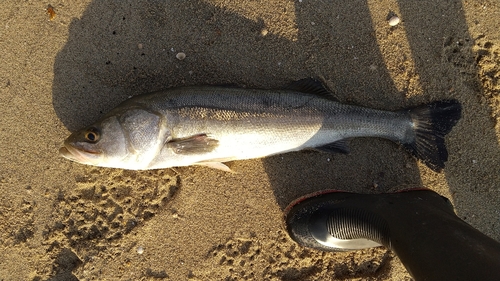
x,y
65,221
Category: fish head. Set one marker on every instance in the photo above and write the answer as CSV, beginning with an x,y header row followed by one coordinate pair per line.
x,y
101,144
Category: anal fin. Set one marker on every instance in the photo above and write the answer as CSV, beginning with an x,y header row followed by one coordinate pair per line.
x,y
334,147
215,165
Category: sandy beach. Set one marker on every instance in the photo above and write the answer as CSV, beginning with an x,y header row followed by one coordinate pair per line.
x,y
61,220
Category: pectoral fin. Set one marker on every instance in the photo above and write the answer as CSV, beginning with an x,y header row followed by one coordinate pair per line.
x,y
196,144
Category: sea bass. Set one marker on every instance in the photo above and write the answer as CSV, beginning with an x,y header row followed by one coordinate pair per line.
x,y
209,125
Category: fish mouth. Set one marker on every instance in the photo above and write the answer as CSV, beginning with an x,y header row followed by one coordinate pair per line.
x,y
77,154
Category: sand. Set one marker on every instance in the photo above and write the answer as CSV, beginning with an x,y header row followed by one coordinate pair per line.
x,y
66,221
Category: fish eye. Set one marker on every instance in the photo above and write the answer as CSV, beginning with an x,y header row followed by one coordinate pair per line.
x,y
92,135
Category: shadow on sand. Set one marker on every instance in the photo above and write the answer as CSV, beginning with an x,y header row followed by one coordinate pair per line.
x,y
112,54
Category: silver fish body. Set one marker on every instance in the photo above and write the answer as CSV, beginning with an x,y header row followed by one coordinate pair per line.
x,y
210,125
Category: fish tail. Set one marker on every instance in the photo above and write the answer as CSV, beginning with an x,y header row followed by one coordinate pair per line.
x,y
431,123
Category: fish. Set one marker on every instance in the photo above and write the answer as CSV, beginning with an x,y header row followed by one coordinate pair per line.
x,y
211,125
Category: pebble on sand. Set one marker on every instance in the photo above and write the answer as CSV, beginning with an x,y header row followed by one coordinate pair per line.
x,y
140,250
394,20
180,56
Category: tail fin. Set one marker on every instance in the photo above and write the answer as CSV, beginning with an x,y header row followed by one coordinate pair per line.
x,y
431,123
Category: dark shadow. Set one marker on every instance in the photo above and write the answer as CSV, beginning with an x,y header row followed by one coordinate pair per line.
x,y
131,49
346,54
65,263
448,67
103,63
112,54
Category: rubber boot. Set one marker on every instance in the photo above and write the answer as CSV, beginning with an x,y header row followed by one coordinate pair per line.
x,y
419,225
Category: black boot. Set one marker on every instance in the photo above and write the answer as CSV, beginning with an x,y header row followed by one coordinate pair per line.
x,y
419,225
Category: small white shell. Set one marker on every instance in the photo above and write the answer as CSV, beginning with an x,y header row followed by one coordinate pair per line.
x,y
180,56
140,250
394,20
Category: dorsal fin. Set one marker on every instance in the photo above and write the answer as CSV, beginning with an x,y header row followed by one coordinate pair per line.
x,y
311,86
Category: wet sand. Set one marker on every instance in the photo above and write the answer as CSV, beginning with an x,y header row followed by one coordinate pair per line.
x,y
66,221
